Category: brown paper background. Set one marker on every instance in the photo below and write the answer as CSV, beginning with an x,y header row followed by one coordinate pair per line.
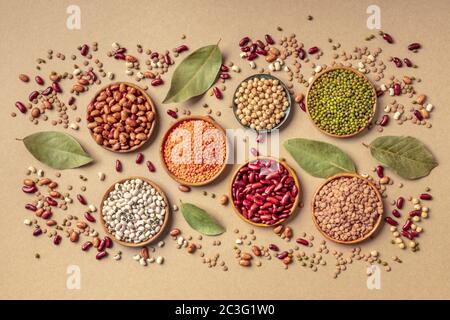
x,y
30,28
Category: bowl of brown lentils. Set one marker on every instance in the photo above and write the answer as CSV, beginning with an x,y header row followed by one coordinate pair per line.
x,y
347,208
262,103
121,117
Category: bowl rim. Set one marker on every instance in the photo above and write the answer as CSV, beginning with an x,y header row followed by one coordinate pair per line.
x,y
287,112
375,227
147,97
208,119
296,201
149,240
334,68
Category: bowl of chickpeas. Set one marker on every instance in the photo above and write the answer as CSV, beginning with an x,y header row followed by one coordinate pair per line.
x,y
262,103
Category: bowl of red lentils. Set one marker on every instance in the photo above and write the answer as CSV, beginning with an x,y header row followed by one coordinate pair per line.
x,y
262,103
194,150
347,208
265,192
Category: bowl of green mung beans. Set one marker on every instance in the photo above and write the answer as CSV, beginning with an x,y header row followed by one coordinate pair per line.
x,y
341,102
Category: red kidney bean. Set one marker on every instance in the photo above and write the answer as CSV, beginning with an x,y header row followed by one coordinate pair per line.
x,y
254,152
172,113
168,59
84,50
252,56
181,48
89,217
224,75
407,62
108,242
414,46
273,247
269,39
33,95
56,87
81,199
259,44
101,255
21,107
139,158
118,166
407,225
418,115
71,101
425,196
380,171
302,106
415,213
86,245
47,91
102,245
302,241
379,92
391,221
407,235
261,52
396,213
384,120
414,233
157,82
123,50
388,38
217,93
244,41
51,202
154,55
150,166
301,53
46,214
313,50
397,89
30,207
245,49
29,189
57,239
92,75
400,202
398,63
39,80
224,68
119,56
283,255
37,232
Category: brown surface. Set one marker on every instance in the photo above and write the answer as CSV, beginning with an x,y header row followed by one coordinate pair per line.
x,y
30,28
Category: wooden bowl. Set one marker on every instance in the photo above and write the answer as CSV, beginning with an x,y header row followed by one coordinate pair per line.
x,y
360,75
296,201
149,100
161,150
288,97
375,227
149,240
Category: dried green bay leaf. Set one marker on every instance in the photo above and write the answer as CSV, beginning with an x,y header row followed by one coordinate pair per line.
x,y
319,159
200,220
407,156
56,149
195,74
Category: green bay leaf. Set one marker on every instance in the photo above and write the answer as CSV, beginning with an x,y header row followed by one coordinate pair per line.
x,y
195,74
319,159
56,149
200,220
407,156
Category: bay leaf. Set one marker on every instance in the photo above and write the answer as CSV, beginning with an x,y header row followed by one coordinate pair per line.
x,y
319,159
56,149
200,220
195,74
407,156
